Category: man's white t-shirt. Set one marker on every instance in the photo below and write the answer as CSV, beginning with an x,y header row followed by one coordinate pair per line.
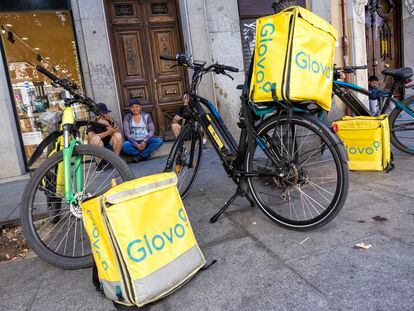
x,y
139,130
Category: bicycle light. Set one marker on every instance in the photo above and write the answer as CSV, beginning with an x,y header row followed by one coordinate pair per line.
x,y
334,128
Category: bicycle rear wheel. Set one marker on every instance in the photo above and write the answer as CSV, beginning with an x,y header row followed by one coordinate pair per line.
x,y
185,158
53,228
402,129
314,184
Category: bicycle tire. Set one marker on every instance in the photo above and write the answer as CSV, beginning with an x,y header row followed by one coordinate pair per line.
x,y
394,117
177,151
33,189
331,143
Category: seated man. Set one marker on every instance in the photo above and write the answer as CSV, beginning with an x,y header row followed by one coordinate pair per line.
x,y
107,135
139,130
175,124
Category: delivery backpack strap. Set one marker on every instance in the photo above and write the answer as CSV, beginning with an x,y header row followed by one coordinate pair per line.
x,y
390,165
208,266
95,277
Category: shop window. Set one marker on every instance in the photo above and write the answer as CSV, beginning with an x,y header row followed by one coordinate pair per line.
x,y
39,38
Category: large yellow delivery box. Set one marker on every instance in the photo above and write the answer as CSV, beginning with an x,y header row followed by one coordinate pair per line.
x,y
293,58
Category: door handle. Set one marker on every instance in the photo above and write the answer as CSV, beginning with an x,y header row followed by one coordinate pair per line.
x,y
171,92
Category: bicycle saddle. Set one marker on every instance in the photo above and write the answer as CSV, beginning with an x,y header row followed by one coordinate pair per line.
x,y
400,73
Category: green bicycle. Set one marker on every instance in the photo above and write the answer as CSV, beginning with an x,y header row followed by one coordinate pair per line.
x,y
50,213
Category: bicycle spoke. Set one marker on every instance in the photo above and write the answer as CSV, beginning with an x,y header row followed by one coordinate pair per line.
x,y
103,183
316,188
44,189
65,237
74,241
66,215
81,234
61,227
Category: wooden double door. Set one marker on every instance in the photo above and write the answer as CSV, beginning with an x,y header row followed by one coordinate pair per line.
x,y
140,31
383,35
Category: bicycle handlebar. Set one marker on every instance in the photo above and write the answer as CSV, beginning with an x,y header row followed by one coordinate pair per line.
x,y
168,57
47,73
350,69
229,68
70,87
185,60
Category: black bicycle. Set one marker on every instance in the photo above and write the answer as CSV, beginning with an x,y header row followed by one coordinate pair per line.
x,y
289,164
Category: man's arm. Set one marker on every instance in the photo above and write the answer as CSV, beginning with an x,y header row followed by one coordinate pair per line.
x,y
150,129
177,118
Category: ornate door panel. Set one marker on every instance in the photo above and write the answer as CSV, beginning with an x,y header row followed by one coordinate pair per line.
x,y
383,34
141,31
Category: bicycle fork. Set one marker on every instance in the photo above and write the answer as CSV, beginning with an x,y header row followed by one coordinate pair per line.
x,y
67,151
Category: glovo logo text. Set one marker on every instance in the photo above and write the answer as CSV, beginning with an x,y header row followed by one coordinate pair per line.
x,y
307,62
140,249
266,32
96,243
369,150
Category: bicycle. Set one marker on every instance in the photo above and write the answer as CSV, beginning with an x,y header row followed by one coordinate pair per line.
x,y
401,118
289,164
50,214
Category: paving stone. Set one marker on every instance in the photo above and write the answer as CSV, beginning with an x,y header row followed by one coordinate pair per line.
x,y
380,278
289,244
246,277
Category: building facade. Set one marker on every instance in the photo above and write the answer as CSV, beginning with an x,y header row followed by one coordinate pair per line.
x,y
111,49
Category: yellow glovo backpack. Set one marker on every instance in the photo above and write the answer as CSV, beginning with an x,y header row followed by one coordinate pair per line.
x,y
142,242
367,142
293,58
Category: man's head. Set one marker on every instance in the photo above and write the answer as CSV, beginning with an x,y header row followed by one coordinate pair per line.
x,y
134,106
186,98
373,81
103,109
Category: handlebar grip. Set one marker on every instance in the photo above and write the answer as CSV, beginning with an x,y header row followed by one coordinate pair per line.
x,y
229,68
47,73
168,57
361,67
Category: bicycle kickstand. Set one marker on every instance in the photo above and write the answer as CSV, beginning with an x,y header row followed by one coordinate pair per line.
x,y
239,192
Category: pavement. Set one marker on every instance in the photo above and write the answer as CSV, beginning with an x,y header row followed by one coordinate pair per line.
x,y
261,266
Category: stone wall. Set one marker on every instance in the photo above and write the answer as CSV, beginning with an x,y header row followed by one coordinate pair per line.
x,y
95,53
212,33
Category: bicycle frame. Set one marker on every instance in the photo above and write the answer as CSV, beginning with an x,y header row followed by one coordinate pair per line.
x,y
341,88
231,153
68,120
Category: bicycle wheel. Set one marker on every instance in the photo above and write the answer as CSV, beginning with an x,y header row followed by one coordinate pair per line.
x,y
314,184
185,158
54,229
402,130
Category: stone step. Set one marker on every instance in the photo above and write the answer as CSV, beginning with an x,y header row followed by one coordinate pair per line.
x,y
164,150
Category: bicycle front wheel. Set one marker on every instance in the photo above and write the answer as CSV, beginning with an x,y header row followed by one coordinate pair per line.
x,y
185,158
402,129
53,228
312,179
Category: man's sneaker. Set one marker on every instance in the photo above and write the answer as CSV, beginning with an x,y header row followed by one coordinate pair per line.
x,y
137,159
